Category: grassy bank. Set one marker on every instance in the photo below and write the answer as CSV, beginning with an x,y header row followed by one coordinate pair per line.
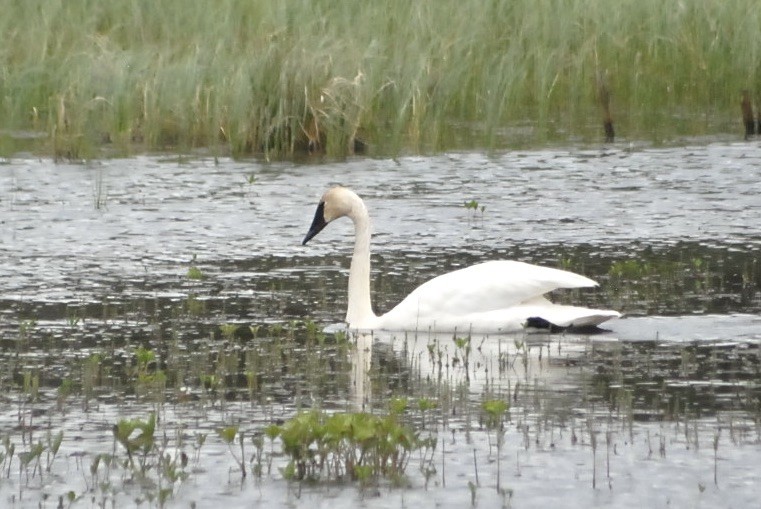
x,y
253,76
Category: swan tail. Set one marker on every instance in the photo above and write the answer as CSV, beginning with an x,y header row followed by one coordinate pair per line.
x,y
543,314
571,317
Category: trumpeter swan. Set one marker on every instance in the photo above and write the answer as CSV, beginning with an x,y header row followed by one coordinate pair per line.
x,y
494,296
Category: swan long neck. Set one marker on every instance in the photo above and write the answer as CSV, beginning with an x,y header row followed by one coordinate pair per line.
x,y
360,313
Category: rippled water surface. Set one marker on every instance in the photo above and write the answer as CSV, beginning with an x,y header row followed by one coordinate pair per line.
x,y
200,262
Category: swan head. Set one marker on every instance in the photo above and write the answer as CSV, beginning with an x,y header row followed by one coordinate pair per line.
x,y
336,202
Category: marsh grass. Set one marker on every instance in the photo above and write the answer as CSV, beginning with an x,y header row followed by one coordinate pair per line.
x,y
280,78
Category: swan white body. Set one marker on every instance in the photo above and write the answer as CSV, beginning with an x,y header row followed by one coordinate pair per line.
x,y
490,297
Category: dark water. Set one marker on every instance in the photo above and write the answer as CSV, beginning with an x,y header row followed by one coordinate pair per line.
x,y
201,263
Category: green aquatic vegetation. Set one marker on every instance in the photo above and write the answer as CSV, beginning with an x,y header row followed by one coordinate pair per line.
x,y
276,330
195,306
6,456
65,389
52,445
212,385
473,209
494,413
228,435
258,459
359,446
660,282
195,273
73,319
200,440
397,406
150,380
31,385
252,383
314,332
157,470
137,437
152,384
462,353
426,405
32,456
281,374
90,373
632,269
471,205
280,79
144,357
340,337
228,330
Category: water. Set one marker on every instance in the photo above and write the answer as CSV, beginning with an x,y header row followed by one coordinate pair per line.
x,y
95,261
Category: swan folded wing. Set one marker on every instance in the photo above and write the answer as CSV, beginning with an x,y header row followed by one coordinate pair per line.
x,y
508,319
488,286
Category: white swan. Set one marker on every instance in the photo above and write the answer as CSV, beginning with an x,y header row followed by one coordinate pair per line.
x,y
495,296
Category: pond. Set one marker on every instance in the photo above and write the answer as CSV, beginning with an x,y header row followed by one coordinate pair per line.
x,y
179,288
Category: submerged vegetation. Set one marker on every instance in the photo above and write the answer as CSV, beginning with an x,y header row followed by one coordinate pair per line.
x,y
502,409
156,401
279,78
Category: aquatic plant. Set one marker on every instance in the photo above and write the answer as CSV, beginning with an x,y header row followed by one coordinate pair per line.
x,y
425,405
157,470
64,391
52,445
275,79
140,443
359,446
228,435
6,455
462,352
473,208
31,384
228,330
494,414
195,273
195,306
33,455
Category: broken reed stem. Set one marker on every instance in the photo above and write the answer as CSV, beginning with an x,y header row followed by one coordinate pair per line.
x,y
747,112
443,463
475,466
716,457
594,462
603,97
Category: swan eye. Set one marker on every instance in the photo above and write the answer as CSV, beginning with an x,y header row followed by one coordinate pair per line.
x,y
318,223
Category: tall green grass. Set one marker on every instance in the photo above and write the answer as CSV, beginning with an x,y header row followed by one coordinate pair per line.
x,y
257,76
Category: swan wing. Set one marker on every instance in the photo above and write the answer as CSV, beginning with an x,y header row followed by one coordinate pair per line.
x,y
495,296
487,286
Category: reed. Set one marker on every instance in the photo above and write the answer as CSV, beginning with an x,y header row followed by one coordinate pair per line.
x,y
253,76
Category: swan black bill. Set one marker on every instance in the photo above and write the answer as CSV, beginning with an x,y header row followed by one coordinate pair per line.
x,y
318,223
